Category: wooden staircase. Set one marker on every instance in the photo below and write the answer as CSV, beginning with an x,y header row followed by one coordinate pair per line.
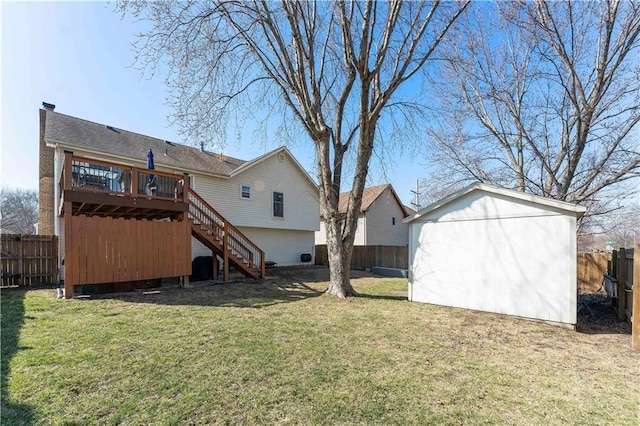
x,y
225,240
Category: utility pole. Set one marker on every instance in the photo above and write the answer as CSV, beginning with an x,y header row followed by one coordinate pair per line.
x,y
416,205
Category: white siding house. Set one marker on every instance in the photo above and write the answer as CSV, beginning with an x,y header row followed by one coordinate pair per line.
x,y
380,221
271,199
247,200
496,250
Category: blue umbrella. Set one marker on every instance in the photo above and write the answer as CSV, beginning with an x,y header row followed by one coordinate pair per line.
x,y
151,185
150,164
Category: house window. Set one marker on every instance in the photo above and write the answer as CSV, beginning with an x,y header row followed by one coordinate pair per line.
x,y
245,192
278,204
393,221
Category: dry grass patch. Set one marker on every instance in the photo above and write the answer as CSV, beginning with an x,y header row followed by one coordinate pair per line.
x,y
282,352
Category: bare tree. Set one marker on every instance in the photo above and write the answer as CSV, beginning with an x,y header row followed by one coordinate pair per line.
x,y
18,210
625,227
334,66
542,97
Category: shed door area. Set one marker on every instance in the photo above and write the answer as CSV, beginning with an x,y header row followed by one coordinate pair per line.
x,y
518,266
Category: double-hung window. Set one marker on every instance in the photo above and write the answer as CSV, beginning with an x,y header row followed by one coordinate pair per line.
x,y
245,192
278,204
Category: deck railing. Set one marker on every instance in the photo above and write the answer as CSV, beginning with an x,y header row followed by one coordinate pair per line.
x,y
99,176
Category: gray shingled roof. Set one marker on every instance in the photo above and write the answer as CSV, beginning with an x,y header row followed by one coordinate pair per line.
x,y
75,132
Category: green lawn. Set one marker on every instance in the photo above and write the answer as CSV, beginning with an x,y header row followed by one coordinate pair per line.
x,y
281,352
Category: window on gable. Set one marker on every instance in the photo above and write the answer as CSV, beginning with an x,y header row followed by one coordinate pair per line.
x,y
245,192
278,204
393,221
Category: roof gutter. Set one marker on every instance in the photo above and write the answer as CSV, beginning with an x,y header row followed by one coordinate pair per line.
x,y
127,161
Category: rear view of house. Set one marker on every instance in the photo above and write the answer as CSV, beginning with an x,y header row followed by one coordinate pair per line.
x,y
120,220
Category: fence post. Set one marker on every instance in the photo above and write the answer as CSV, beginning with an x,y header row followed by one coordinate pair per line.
x,y
20,260
635,307
622,278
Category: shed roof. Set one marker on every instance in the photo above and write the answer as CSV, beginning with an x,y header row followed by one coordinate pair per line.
x,y
569,208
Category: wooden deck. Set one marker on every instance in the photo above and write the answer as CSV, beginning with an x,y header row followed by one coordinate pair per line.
x,y
122,223
105,189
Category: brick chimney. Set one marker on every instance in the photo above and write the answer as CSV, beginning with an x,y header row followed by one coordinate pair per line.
x,y
46,185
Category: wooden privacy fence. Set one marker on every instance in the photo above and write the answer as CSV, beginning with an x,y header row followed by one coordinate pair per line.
x,y
29,259
591,269
624,273
366,257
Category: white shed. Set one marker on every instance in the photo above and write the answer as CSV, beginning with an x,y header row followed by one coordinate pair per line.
x,y
496,250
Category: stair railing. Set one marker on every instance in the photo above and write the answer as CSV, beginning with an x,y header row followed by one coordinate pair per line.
x,y
237,244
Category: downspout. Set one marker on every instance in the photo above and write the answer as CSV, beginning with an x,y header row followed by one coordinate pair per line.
x,y
57,171
410,264
364,226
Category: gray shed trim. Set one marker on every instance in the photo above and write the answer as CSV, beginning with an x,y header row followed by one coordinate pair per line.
x,y
569,208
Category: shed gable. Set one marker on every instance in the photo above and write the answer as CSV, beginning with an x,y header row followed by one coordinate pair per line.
x,y
478,205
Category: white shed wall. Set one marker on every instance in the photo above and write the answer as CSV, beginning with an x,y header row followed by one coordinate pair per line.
x,y
491,254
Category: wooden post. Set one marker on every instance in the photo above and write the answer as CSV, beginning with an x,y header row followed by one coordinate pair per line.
x,y
185,187
68,170
622,279
215,266
225,255
69,261
612,272
134,182
21,280
635,307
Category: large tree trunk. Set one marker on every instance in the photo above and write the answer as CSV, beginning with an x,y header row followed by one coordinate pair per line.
x,y
338,247
339,272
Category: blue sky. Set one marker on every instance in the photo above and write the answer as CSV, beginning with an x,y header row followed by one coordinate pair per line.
x,y
77,56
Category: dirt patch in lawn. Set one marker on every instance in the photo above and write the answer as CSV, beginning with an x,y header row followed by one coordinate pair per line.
x,y
596,315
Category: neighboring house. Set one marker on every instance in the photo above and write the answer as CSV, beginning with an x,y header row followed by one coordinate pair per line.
x,y
270,199
496,250
380,219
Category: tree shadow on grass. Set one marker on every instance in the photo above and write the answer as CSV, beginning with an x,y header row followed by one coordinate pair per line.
x,y
241,293
282,285
382,297
13,316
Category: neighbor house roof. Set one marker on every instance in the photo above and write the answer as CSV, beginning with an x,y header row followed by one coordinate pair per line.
x,y
75,133
536,199
369,196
